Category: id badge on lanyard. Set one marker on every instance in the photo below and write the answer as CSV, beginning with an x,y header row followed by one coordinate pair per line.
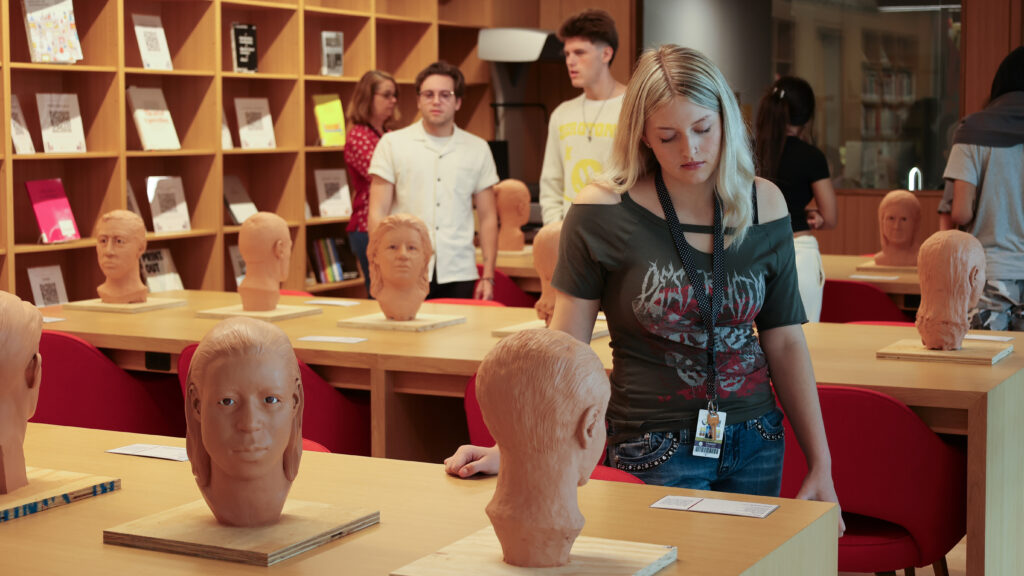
x,y
710,433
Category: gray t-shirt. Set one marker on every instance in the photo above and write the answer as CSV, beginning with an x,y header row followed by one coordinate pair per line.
x,y
998,175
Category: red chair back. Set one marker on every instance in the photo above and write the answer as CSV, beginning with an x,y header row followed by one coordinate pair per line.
x,y
285,292
886,464
82,387
466,302
481,436
335,419
850,301
507,291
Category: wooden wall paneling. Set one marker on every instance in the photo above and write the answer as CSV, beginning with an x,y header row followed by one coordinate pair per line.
x,y
985,40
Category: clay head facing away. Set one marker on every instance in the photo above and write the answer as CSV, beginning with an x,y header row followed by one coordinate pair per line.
x,y
266,247
898,217
545,258
399,253
21,325
543,395
513,201
120,242
243,409
951,267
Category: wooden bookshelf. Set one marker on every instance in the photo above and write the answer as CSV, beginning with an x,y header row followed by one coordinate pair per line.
x,y
398,36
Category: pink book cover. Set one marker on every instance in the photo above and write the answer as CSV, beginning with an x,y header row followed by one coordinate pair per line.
x,y
53,212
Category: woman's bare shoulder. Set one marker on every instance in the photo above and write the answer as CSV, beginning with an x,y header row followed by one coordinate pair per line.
x,y
771,204
597,194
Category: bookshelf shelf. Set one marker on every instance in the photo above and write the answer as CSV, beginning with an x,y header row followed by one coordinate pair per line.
x,y
398,36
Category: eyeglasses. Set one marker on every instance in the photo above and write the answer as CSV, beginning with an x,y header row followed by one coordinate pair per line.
x,y
387,95
444,95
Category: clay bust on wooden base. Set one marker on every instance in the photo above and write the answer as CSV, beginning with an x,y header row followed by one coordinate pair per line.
x,y
399,253
120,242
543,395
21,325
266,248
898,217
513,204
243,408
545,257
951,267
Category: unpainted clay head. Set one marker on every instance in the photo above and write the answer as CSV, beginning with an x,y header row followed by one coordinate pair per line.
x,y
545,257
266,247
21,325
513,201
951,267
399,254
120,242
543,395
898,217
243,408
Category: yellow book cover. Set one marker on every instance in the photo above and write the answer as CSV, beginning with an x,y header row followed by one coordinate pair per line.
x,y
330,119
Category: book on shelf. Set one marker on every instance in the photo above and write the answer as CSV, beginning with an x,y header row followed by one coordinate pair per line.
x,y
346,258
334,260
149,32
225,132
53,211
61,123
131,202
19,129
161,274
166,196
152,119
243,47
47,285
332,52
333,193
51,31
330,119
237,264
236,199
255,126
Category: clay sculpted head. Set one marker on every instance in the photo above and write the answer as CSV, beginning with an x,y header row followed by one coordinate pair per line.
x,y
545,257
543,395
21,325
243,408
399,254
513,201
120,242
266,247
898,217
951,267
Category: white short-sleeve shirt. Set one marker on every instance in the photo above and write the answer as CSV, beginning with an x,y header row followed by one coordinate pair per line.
x,y
437,184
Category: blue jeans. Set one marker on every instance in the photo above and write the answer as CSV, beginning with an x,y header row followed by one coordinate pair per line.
x,y
359,241
750,463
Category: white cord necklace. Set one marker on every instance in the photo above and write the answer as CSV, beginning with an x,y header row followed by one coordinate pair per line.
x,y
583,109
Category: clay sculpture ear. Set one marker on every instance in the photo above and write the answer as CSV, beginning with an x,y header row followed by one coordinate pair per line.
x,y
33,377
197,453
293,454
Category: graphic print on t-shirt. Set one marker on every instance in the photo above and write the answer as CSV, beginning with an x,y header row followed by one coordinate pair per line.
x,y
664,307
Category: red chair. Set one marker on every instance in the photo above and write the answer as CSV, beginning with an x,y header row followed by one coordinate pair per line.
x,y
330,418
902,489
296,293
82,387
466,302
850,301
481,436
507,291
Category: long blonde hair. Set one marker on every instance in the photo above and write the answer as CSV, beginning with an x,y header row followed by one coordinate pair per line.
x,y
662,74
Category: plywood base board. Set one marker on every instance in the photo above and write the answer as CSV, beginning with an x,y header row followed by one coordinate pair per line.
x,y
479,554
972,352
600,328
98,305
422,323
870,266
191,529
52,488
282,312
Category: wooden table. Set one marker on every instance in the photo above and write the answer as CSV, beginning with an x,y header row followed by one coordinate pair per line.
x,y
518,267
839,267
422,510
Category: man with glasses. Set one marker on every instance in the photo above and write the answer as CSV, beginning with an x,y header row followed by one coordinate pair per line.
x,y
437,171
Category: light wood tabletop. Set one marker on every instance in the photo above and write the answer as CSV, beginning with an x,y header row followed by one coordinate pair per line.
x,y
421,510
842,267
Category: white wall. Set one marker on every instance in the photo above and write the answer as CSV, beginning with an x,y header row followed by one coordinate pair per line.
x,y
736,34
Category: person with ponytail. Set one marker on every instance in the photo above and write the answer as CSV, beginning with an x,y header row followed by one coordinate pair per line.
x,y
799,169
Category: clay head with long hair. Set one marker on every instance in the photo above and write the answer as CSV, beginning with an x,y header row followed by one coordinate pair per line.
x,y
399,254
951,267
21,325
266,246
543,395
120,242
898,217
243,408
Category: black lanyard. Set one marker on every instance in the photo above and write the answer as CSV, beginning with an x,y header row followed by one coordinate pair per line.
x,y
709,311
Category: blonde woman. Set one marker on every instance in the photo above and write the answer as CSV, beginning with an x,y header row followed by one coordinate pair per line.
x,y
682,147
